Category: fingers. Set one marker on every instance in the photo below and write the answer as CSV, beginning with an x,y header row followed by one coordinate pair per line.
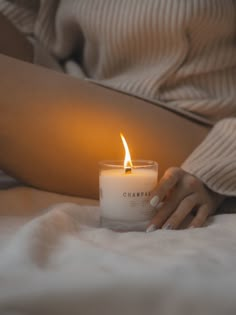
x,y
162,215
201,217
176,219
167,183
184,208
177,194
165,209
173,212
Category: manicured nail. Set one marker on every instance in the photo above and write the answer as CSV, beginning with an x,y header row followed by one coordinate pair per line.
x,y
151,228
154,201
167,227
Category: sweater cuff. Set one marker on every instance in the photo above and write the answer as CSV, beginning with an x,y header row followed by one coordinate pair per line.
x,y
214,160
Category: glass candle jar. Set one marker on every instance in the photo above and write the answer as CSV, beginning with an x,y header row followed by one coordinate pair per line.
x,y
125,194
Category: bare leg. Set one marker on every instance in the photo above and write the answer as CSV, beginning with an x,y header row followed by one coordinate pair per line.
x,y
54,129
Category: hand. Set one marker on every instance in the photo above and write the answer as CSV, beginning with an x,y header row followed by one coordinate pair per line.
x,y
177,195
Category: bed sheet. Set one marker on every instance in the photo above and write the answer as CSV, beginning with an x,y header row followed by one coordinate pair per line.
x,y
55,259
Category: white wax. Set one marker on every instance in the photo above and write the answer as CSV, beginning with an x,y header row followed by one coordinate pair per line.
x,y
126,196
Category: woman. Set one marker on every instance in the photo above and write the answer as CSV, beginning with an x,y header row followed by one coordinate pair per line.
x,y
181,53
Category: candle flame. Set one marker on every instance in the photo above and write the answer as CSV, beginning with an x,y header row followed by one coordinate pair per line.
x,y
127,161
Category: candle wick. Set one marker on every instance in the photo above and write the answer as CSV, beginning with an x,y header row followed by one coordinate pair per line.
x,y
127,170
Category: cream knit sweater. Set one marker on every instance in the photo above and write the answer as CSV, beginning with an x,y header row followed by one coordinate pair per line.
x,y
181,52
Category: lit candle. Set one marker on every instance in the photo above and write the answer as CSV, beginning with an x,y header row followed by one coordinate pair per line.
x,y
125,190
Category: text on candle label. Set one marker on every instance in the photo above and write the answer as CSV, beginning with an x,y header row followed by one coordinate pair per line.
x,y
136,194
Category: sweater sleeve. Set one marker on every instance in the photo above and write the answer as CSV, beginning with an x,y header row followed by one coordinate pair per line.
x,y
50,25
214,160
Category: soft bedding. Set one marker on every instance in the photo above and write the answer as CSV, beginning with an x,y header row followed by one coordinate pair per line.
x,y
55,259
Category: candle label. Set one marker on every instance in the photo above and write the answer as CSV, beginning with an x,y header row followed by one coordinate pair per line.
x,y
127,196
136,194
130,194
119,204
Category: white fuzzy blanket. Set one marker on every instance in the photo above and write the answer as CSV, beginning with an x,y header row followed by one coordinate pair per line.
x,y
61,262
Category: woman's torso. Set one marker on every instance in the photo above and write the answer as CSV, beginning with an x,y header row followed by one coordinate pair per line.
x,y
179,52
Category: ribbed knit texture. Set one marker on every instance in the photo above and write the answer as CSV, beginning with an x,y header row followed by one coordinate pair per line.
x,y
181,52
214,161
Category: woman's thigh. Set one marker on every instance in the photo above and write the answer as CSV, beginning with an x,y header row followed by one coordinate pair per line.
x,y
57,128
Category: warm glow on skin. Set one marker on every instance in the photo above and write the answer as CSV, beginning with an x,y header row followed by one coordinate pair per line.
x,y
60,153
127,161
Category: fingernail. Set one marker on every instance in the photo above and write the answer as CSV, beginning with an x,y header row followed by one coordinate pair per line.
x,y
167,227
151,228
154,201
191,227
